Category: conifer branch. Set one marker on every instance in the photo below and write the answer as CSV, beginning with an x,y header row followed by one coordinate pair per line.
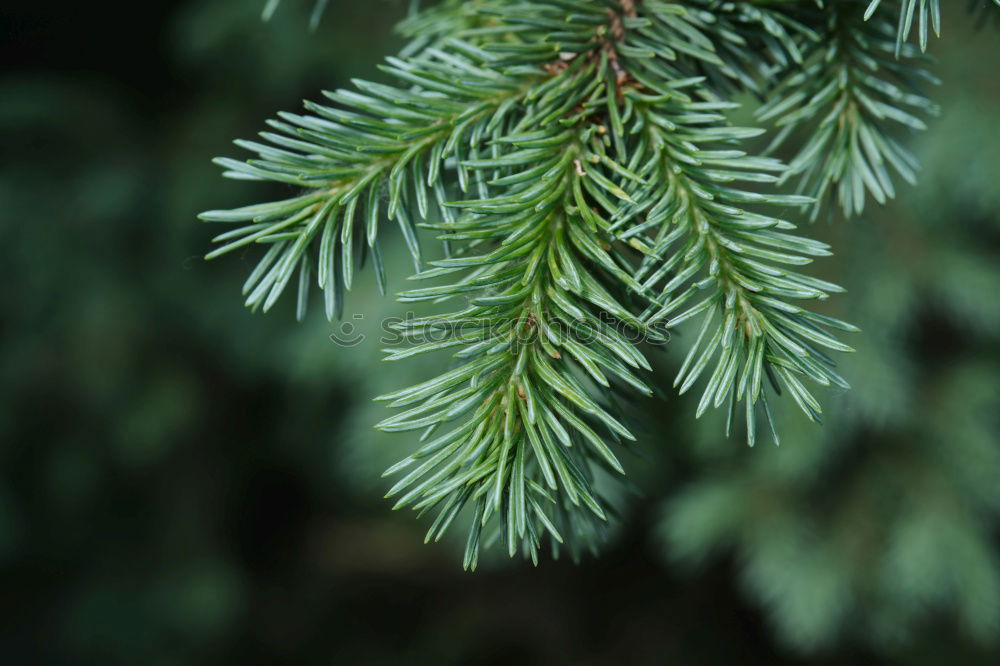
x,y
575,159
703,244
715,259
852,97
530,343
384,154
536,344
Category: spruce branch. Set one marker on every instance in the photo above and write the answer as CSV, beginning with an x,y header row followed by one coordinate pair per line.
x,y
704,246
383,154
530,342
715,259
852,97
536,343
576,161
608,157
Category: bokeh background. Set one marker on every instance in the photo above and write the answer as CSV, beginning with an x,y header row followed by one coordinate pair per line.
x,y
184,482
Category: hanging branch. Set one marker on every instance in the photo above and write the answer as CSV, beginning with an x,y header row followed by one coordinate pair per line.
x,y
576,162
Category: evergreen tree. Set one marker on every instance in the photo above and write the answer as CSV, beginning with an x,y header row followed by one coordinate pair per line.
x,y
579,167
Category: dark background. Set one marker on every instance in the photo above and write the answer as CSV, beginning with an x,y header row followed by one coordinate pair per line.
x,y
183,482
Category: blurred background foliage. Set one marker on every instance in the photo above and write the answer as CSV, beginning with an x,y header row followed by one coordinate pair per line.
x,y
182,482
